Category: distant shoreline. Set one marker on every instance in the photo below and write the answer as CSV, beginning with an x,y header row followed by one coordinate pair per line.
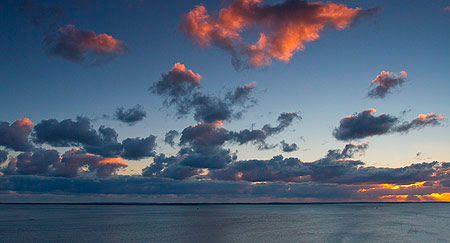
x,y
206,204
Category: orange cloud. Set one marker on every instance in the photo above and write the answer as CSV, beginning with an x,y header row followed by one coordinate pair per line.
x,y
179,69
24,122
76,45
428,118
114,161
285,27
101,43
439,196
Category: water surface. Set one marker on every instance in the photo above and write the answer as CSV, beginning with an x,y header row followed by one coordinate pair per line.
x,y
226,223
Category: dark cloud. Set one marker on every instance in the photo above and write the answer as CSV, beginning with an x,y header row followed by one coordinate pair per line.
x,y
287,148
329,178
284,27
202,148
3,156
207,157
284,120
15,136
275,169
66,133
333,168
205,134
211,109
385,82
36,163
72,161
214,134
104,142
180,87
169,167
241,95
292,169
365,124
258,137
170,136
176,86
70,164
177,188
349,151
84,47
211,191
139,148
130,116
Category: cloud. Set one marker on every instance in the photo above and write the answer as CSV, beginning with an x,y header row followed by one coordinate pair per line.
x,y
285,120
335,177
180,88
134,185
365,124
292,169
242,94
284,27
139,148
70,164
67,132
214,134
178,83
207,157
156,189
36,163
15,136
84,47
170,136
3,156
385,82
202,148
349,151
105,144
169,167
334,168
80,133
259,136
72,161
421,121
287,148
130,116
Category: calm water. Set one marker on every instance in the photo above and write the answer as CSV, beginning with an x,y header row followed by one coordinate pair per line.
x,y
226,223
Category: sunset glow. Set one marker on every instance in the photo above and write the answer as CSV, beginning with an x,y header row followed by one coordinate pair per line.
x,y
224,101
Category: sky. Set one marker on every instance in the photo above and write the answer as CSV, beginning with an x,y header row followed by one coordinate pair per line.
x,y
224,101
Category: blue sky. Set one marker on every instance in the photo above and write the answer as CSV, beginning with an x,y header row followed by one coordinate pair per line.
x,y
326,82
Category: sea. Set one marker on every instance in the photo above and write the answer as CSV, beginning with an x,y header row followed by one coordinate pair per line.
x,y
348,222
